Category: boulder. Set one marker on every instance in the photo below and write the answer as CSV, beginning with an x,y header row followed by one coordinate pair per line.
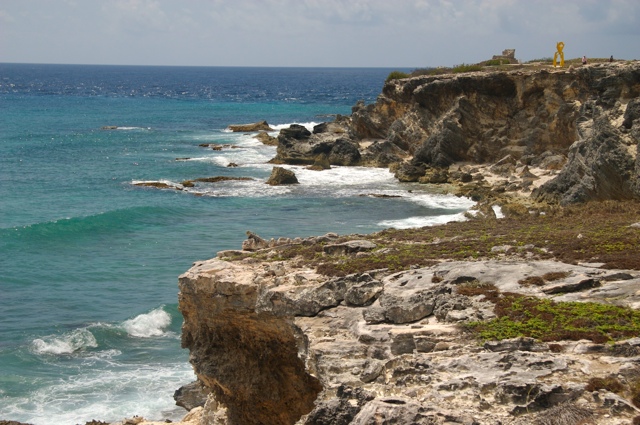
x,y
282,176
191,395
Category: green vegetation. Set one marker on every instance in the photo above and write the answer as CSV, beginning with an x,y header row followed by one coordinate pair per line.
x,y
396,75
496,62
552,234
546,320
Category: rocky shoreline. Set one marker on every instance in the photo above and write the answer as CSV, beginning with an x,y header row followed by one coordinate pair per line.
x,y
339,330
277,341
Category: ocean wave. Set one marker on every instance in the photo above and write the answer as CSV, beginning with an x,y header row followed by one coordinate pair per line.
x,y
108,222
109,393
68,343
415,222
148,325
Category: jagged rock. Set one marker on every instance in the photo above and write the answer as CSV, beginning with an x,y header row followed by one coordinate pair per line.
x,y
599,167
256,126
297,147
281,176
266,139
410,173
321,163
191,395
435,176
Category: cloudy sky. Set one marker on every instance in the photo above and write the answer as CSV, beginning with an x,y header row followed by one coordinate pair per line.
x,y
340,33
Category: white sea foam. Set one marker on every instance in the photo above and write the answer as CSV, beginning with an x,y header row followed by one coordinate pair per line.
x,y
438,201
149,324
133,128
68,343
110,394
414,222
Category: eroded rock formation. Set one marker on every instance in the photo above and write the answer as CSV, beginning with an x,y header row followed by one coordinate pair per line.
x,y
279,343
538,117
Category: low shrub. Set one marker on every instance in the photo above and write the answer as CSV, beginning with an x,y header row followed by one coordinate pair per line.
x,y
522,316
396,75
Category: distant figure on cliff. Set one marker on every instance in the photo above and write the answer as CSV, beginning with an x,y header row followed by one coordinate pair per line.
x,y
584,60
611,58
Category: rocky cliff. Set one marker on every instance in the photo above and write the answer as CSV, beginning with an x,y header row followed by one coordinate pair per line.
x,y
278,341
585,119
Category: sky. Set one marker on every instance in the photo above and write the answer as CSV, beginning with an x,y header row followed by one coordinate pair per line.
x,y
313,33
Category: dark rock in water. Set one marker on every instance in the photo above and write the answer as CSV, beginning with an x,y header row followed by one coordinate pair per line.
x,y
281,176
410,173
295,131
191,395
110,127
217,179
159,185
257,126
232,165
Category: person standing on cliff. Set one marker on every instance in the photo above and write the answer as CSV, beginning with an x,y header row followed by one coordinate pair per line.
x,y
584,60
611,58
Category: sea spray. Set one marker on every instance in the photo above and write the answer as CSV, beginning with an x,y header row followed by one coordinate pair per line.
x,y
68,343
149,324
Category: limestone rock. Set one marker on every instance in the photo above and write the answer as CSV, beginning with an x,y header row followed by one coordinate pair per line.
x,y
271,337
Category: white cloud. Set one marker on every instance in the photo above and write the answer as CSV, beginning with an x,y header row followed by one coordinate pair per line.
x,y
399,33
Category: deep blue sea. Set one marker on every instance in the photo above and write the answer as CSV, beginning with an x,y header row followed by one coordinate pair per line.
x,y
89,325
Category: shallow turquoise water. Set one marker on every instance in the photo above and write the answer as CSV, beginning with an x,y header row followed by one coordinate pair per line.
x,y
89,326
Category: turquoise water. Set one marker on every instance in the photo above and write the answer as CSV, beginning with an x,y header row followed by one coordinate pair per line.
x,y
89,326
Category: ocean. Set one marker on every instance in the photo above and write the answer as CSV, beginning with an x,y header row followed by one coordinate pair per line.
x,y
89,323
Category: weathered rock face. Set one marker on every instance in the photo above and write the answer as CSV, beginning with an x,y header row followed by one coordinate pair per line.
x,y
247,358
297,147
584,119
601,165
481,117
280,344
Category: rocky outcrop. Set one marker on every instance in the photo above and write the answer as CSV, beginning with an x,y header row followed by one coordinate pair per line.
x,y
296,146
249,128
380,347
601,164
584,121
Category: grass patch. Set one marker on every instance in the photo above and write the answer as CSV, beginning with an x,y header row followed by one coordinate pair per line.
x,y
604,226
546,320
397,75
474,288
